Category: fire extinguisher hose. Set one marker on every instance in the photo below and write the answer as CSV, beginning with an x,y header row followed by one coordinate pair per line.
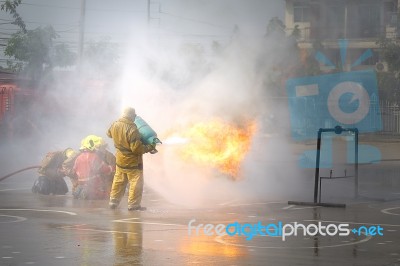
x,y
19,171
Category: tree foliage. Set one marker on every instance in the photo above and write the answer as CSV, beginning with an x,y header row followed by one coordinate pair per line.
x,y
101,58
390,53
11,7
36,52
389,87
389,82
275,27
287,59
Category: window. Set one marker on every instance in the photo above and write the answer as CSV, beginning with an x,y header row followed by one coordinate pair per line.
x,y
335,20
370,20
301,12
390,14
335,15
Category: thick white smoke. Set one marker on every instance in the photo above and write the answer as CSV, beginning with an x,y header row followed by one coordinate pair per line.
x,y
231,85
171,80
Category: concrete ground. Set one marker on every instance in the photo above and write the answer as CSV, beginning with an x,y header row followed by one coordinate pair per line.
x,y
58,230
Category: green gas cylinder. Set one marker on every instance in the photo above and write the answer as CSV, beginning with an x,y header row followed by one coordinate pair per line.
x,y
147,134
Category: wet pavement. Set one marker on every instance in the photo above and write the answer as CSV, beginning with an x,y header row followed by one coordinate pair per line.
x,y
58,230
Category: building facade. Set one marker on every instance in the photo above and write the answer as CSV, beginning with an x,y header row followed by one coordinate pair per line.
x,y
360,22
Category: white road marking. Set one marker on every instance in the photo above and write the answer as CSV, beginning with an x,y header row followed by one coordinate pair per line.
x,y
38,210
288,207
291,207
341,222
221,241
257,203
121,220
95,230
387,211
228,202
12,189
149,223
17,218
308,207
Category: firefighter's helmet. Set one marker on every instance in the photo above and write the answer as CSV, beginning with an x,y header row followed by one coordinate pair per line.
x,y
92,143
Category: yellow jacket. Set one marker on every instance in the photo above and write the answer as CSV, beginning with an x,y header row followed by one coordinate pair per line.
x,y
129,148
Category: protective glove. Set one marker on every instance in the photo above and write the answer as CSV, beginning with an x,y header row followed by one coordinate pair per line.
x,y
151,148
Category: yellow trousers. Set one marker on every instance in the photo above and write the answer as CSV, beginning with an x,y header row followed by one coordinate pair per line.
x,y
121,178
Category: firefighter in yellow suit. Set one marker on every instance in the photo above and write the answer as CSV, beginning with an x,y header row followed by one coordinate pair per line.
x,y
129,160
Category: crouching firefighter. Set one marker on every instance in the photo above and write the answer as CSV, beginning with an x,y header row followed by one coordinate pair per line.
x,y
92,170
52,173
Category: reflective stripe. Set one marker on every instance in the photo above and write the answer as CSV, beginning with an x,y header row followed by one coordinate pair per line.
x,y
87,179
139,166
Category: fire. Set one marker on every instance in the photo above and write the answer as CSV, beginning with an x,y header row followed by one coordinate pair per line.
x,y
217,144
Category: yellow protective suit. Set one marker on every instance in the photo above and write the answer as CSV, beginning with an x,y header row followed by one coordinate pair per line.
x,y
129,162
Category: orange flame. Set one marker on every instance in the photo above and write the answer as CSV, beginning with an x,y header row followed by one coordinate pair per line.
x,y
217,144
